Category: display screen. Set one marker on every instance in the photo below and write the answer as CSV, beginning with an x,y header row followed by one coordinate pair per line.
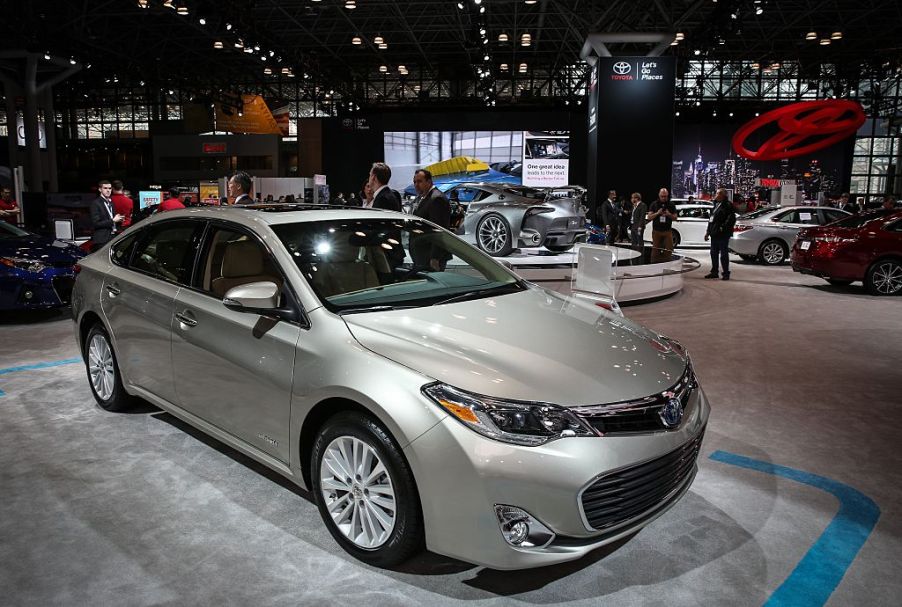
x,y
146,199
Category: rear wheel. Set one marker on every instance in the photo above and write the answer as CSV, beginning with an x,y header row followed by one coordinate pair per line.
x,y
884,277
493,235
772,252
365,491
838,282
103,371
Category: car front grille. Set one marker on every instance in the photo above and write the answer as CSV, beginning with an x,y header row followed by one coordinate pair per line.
x,y
640,415
626,494
63,286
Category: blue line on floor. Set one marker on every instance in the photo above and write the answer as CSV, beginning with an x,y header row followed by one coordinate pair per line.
x,y
55,363
822,568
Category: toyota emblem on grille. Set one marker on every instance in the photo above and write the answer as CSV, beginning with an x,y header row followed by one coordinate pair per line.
x,y
672,413
622,67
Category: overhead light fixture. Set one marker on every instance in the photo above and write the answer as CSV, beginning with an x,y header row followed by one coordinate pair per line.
x,y
759,10
402,68
47,56
257,47
383,46
502,37
477,2
485,57
825,41
217,44
522,68
182,10
142,3
286,71
350,4
696,52
836,36
202,21
503,67
267,71
356,40
675,42
378,40
291,74
811,36
228,27
239,43
383,68
249,50
529,1
680,35
755,66
168,4
460,5
72,60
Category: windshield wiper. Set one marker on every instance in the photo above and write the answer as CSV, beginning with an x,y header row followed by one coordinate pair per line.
x,y
476,294
372,309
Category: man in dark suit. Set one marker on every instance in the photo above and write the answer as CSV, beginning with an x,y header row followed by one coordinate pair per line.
x,y
431,205
103,217
610,217
240,186
383,196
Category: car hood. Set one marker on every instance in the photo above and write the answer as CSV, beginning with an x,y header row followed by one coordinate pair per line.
x,y
534,345
38,248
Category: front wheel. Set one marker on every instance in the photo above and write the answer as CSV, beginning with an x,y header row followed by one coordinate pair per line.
x,y
773,252
677,239
365,491
493,235
103,371
884,277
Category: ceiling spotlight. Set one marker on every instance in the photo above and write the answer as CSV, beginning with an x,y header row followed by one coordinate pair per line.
x,y
522,68
759,10
811,36
378,40
486,58
674,43
356,40
731,114
239,43
228,27
72,60
171,92
503,67
257,47
383,68
141,83
350,4
202,21
291,74
460,5
836,36
477,2
168,4
248,50
182,10
680,35
502,37
383,46
217,44
696,52
529,1
47,56
482,31
286,71
142,3
677,113
755,66
262,57
825,41
402,68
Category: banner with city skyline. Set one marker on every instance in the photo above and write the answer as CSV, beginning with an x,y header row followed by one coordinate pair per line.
x,y
703,160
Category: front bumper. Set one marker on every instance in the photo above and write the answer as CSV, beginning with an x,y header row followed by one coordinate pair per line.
x,y
462,475
50,288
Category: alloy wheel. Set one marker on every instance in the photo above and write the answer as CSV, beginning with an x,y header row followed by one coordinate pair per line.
x,y
101,367
887,278
773,253
493,234
358,492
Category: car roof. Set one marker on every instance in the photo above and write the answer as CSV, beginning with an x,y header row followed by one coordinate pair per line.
x,y
275,214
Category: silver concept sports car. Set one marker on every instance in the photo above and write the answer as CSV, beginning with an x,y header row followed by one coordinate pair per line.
x,y
450,405
499,218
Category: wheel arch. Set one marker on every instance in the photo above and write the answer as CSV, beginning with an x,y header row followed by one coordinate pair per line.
x,y
88,320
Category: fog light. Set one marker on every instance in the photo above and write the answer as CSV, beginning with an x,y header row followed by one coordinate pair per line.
x,y
28,294
520,529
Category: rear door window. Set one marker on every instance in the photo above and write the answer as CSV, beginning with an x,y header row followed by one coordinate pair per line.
x,y
167,250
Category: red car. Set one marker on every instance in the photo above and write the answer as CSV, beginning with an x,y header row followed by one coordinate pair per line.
x,y
866,247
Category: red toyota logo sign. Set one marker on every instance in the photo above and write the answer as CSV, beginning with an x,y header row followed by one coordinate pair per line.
x,y
802,128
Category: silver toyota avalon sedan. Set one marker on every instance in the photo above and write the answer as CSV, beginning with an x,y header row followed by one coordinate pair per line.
x,y
423,393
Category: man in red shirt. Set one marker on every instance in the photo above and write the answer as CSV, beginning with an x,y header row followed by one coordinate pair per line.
x,y
172,203
122,204
9,210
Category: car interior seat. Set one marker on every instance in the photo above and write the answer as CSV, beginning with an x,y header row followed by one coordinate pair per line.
x,y
243,263
343,271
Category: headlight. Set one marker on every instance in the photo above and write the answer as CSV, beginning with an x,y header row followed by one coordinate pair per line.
x,y
520,423
21,263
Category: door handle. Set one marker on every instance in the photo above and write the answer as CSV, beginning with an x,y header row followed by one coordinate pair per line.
x,y
113,290
185,319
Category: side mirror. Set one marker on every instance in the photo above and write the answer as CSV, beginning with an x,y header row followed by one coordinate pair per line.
x,y
257,298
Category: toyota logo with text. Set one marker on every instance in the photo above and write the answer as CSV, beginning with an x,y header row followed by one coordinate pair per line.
x,y
622,67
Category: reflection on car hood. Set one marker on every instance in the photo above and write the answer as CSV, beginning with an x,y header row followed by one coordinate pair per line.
x,y
535,345
38,248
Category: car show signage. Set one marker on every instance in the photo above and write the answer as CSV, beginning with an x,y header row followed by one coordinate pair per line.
x,y
546,159
798,129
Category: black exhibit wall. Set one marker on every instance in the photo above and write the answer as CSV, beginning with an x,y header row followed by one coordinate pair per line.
x,y
352,144
630,126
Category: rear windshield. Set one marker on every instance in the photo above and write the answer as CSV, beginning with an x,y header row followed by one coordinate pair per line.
x,y
856,221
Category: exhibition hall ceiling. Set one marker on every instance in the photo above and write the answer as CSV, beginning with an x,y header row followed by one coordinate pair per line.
x,y
348,44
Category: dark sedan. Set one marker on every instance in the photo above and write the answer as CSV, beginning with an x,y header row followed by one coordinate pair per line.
x,y
35,272
866,247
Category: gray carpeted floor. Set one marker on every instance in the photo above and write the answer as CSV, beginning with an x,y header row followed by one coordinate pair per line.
x,y
139,509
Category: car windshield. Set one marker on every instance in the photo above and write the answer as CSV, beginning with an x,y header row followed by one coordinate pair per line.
x,y
856,221
10,231
377,264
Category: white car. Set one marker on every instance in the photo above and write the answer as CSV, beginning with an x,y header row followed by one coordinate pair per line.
x,y
689,227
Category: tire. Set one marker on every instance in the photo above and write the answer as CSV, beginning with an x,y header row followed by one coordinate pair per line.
x,y
493,235
103,371
747,257
884,277
559,248
838,282
677,239
382,540
773,252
